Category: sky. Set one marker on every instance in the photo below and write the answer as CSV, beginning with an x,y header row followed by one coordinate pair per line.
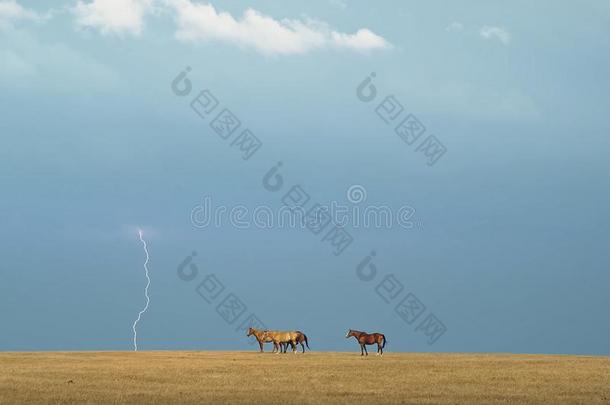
x,y
111,122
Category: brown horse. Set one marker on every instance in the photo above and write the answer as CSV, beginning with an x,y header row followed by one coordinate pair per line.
x,y
364,339
261,336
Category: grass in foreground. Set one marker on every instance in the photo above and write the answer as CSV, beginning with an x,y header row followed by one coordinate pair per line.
x,y
337,378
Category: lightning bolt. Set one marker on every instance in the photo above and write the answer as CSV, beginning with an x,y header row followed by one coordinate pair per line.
x,y
135,332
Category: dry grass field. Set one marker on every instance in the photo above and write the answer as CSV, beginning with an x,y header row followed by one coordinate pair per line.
x,y
335,378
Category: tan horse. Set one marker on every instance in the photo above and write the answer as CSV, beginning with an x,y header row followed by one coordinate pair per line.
x,y
300,339
364,339
281,337
261,336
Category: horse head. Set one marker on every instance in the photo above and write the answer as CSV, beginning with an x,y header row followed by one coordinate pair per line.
x,y
349,333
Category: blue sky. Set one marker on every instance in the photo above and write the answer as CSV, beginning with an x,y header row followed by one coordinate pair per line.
x,y
509,249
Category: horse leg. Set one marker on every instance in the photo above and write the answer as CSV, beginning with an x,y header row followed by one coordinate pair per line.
x,y
361,349
261,346
365,351
303,347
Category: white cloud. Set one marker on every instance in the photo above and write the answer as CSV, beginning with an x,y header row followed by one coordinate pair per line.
x,y
454,27
113,16
491,32
202,22
362,39
11,10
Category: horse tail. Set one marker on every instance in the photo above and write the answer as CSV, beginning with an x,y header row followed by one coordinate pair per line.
x,y
384,341
306,343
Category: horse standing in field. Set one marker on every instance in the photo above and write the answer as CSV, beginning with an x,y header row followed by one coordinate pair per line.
x,y
299,339
364,339
279,338
261,336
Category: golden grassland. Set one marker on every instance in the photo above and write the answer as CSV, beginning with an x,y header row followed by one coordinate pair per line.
x,y
313,377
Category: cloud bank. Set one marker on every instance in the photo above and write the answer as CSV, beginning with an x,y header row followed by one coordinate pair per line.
x,y
202,22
